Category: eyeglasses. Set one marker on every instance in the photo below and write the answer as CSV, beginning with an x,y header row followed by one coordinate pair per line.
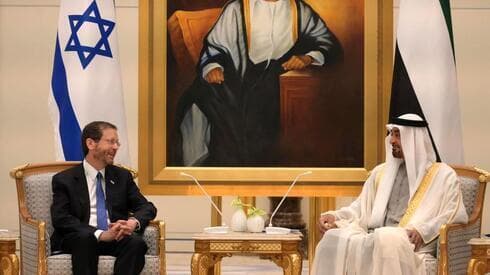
x,y
111,141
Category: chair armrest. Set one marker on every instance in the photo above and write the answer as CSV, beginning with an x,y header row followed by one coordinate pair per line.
x,y
454,250
151,236
154,237
33,249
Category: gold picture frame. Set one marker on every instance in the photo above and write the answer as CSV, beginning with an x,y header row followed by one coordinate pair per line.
x,y
156,178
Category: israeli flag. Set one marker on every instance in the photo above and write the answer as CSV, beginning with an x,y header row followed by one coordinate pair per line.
x,y
86,83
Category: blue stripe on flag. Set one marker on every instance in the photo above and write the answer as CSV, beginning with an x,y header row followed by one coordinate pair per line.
x,y
69,128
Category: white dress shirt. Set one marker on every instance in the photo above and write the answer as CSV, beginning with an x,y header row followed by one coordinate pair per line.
x,y
91,176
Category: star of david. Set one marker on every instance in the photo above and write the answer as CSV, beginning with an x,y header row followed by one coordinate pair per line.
x,y
102,47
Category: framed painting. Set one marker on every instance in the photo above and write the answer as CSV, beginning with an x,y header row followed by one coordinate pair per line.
x,y
325,118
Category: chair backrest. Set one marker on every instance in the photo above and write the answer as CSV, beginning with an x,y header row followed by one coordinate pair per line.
x,y
454,251
34,191
473,184
187,30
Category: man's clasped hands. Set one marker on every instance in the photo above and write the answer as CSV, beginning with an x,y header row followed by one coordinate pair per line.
x,y
118,230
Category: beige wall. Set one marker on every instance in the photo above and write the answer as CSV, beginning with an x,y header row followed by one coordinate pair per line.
x,y
472,42
27,35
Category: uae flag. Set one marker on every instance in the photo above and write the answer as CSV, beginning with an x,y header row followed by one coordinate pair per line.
x,y
424,75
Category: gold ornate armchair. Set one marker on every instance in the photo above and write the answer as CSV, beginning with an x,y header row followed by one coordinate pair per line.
x,y
454,252
34,197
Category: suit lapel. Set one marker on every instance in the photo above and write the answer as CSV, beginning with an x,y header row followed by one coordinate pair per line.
x,y
110,181
82,189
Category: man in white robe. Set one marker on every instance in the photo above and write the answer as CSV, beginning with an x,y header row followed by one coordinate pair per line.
x,y
395,221
230,114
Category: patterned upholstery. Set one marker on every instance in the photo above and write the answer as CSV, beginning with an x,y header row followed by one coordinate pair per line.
x,y
459,251
61,265
430,265
150,236
469,188
28,248
38,198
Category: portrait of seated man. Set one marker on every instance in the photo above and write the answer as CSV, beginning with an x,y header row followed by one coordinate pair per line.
x,y
230,115
395,221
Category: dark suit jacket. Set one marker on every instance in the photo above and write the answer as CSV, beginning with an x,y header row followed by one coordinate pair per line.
x,y
70,211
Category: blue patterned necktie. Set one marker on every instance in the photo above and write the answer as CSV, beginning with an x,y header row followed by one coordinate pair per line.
x,y
101,210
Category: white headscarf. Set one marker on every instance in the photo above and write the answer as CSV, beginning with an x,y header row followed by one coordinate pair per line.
x,y
418,154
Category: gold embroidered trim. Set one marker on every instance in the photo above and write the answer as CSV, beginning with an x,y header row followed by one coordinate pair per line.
x,y
248,26
379,176
419,194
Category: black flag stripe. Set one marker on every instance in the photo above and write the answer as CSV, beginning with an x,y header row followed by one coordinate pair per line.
x,y
403,97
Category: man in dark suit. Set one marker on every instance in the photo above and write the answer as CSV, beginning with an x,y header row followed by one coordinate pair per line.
x,y
98,209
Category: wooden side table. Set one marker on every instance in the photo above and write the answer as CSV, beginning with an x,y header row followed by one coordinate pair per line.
x,y
479,263
9,262
209,249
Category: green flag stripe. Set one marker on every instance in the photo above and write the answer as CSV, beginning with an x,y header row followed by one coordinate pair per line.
x,y
446,10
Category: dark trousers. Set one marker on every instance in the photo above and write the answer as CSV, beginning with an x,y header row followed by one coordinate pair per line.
x,y
85,250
